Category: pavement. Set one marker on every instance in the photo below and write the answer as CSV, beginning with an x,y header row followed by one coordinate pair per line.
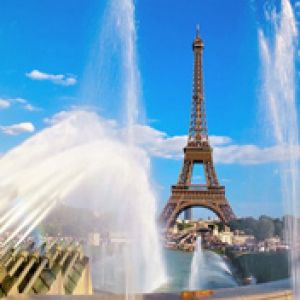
x,y
279,290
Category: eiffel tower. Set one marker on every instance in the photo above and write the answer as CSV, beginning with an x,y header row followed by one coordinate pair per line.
x,y
185,195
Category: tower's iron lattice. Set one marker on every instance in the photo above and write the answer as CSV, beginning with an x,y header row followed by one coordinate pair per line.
x,y
185,195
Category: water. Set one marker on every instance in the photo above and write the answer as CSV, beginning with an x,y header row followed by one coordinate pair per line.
x,y
42,172
85,160
113,71
212,274
278,48
209,270
196,275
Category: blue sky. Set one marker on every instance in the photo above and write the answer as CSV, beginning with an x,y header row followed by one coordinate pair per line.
x,y
52,41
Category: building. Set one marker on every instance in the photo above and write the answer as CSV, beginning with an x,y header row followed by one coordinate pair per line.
x,y
241,239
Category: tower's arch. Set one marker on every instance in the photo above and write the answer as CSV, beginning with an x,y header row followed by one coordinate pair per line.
x,y
180,209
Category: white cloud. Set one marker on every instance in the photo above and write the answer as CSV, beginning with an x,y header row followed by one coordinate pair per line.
x,y
158,144
30,107
20,100
4,103
7,102
225,151
253,155
26,105
19,128
216,140
59,79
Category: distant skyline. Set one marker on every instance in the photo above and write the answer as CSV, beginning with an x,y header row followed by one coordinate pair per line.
x,y
45,49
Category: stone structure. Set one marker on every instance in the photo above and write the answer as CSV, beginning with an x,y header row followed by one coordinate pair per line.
x,y
55,269
185,195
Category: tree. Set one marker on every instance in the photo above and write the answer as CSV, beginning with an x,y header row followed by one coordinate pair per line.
x,y
235,224
279,227
265,228
249,225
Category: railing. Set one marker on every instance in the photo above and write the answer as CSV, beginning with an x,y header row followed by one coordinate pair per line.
x,y
197,187
191,187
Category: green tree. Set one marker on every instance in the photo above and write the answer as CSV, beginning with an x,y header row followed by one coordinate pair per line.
x,y
279,227
265,228
235,224
250,225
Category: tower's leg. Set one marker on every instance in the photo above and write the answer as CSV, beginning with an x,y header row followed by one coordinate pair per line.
x,y
188,214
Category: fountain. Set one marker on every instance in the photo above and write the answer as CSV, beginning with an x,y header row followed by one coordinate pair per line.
x,y
197,263
209,270
278,55
84,160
